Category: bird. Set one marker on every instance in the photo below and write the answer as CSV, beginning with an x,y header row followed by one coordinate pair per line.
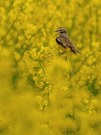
x,y
64,41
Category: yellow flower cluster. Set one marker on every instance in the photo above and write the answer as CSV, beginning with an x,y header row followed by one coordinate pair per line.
x,y
44,90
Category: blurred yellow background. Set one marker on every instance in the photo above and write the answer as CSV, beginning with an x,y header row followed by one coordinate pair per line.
x,y
42,91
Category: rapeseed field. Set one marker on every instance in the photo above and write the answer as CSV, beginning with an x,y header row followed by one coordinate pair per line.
x,y
44,90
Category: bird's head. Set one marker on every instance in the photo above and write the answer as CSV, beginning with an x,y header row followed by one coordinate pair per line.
x,y
61,30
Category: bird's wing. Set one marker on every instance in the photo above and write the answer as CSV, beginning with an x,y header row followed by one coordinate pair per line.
x,y
70,45
68,42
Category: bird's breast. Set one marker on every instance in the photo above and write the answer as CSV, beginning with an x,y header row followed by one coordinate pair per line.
x,y
58,40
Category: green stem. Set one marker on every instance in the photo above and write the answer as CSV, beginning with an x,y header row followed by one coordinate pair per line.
x,y
82,63
42,67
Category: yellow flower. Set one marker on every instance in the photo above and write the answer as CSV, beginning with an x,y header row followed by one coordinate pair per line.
x,y
44,90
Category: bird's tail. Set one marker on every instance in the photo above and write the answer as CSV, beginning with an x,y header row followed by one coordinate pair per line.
x,y
74,50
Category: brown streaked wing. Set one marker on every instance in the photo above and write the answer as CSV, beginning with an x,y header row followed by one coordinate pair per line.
x,y
70,45
68,42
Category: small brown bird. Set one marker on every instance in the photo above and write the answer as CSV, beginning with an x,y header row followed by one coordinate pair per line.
x,y
64,41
